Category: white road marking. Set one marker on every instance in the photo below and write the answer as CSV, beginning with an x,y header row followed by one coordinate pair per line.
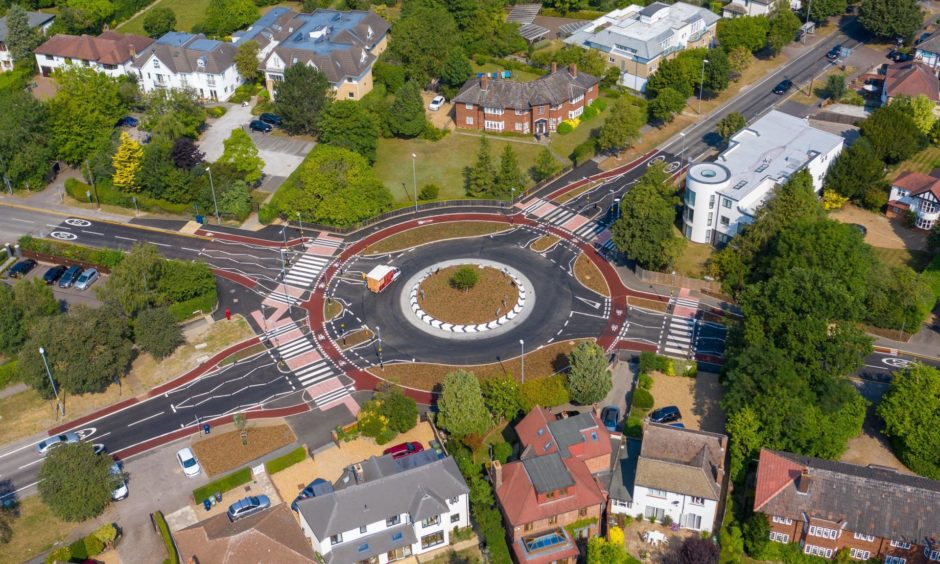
x,y
92,232
125,238
14,492
26,221
145,419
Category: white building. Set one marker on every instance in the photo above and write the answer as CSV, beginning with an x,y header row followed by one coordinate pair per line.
x,y
737,8
916,193
675,472
383,510
111,53
724,195
184,60
38,21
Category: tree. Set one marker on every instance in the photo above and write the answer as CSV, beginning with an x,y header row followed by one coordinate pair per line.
x,y
22,305
729,125
603,551
623,125
855,172
835,87
588,379
392,76
83,112
350,125
756,533
891,19
912,421
126,162
25,147
744,428
172,113
156,332
696,550
740,58
748,31
158,21
225,16
784,24
235,200
820,10
12,332
919,109
898,298
300,98
242,155
424,38
545,165
502,397
407,117
464,278
645,229
461,410
666,104
87,16
717,71
132,285
21,39
509,176
479,177
893,135
456,69
75,482
186,154
246,60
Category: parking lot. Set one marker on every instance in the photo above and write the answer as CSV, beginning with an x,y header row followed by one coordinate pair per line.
x,y
66,296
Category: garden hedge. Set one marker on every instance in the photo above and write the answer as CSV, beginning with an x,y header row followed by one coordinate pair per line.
x,y
173,556
642,399
8,374
108,194
223,484
295,456
546,392
107,258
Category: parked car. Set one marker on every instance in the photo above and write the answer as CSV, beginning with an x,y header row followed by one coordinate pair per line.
x,y
271,119
610,415
120,492
53,274
52,442
666,414
248,506
436,103
21,268
86,279
70,276
128,121
188,462
404,449
834,53
313,489
898,56
785,85
258,125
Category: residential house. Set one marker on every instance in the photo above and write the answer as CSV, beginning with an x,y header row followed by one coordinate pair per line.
x,y
554,495
910,79
269,536
531,107
869,511
928,50
383,510
637,39
185,60
738,8
39,21
341,45
674,472
916,193
724,195
111,53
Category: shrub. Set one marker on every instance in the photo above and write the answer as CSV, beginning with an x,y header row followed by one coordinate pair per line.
x,y
647,362
667,520
61,554
633,427
223,484
216,111
645,381
86,547
564,128
600,105
8,374
465,278
173,555
691,370
429,192
101,257
589,112
584,152
267,214
295,456
642,399
432,133
546,392
181,311
932,276
502,451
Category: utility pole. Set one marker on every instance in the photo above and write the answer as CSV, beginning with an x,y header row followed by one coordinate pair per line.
x,y
58,404
701,86
218,219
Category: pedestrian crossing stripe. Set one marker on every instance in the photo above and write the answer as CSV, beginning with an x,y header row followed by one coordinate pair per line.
x,y
280,330
327,243
314,373
331,397
535,205
306,270
589,230
294,348
283,298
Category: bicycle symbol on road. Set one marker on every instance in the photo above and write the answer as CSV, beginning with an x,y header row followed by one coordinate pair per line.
x,y
895,362
656,159
63,235
673,166
78,222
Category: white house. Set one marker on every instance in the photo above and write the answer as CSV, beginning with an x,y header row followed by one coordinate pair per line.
x,y
917,193
39,21
724,195
184,60
737,8
111,53
675,472
383,510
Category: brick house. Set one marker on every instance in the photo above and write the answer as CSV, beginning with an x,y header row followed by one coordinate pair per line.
x,y
553,496
917,193
870,511
534,107
910,79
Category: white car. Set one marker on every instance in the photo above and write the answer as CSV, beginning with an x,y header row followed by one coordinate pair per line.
x,y
436,103
120,492
188,462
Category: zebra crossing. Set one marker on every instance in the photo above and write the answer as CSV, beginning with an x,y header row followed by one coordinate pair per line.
x,y
280,330
679,335
558,216
314,373
569,220
294,348
332,397
278,295
305,271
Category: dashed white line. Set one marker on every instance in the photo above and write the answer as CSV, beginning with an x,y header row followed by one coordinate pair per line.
x,y
125,238
24,220
145,419
92,232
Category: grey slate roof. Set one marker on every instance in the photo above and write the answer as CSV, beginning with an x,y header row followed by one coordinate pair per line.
x,y
931,44
554,88
35,19
187,53
385,494
364,548
547,473
567,431
426,505
624,471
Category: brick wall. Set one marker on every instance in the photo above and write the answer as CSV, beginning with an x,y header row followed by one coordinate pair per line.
x,y
563,519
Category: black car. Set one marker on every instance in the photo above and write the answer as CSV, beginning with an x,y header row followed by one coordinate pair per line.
x,y
898,56
271,119
258,125
834,53
70,276
54,273
666,414
785,85
22,268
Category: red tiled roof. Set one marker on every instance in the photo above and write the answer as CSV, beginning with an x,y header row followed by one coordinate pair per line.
x,y
773,474
109,48
520,503
528,431
918,183
912,79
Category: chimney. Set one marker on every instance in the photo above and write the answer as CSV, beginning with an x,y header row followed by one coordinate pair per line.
x,y
496,474
554,67
573,69
803,482
357,470
484,82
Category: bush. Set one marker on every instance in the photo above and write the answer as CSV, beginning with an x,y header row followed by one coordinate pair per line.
x,y
589,112
181,311
108,194
216,111
223,484
8,374
267,214
642,399
61,554
645,381
546,392
600,105
85,548
650,362
432,133
156,332
502,451
295,456
633,427
564,128
243,93
584,152
465,278
100,257
429,192
174,557
932,275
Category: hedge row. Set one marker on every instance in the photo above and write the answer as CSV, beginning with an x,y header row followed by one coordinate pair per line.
x,y
8,374
108,194
107,258
173,555
181,311
546,392
295,456
223,484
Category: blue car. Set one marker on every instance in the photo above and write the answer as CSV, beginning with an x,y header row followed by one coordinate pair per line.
x,y
610,415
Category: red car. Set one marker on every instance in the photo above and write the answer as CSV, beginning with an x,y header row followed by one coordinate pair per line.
x,y
404,449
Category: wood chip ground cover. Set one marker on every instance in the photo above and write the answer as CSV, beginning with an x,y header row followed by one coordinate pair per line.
x,y
493,295
588,274
224,452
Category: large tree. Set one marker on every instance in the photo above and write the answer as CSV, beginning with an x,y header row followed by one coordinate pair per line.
x,y
667,103
457,69
912,419
461,410
645,230
25,149
172,113
747,31
588,378
508,176
132,285
479,177
891,19
241,154
12,332
126,163
820,10
83,112
21,306
186,154
407,118
502,397
920,109
21,39
158,21
784,25
76,483
350,125
545,165
225,16
856,173
893,134
423,39
156,332
729,125
301,97
623,125
246,60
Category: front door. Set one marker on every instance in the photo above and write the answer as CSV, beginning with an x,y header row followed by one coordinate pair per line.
x,y
541,126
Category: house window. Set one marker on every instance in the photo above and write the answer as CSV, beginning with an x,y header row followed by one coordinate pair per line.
x,y
49,57
582,512
895,560
779,537
624,504
210,80
363,547
689,197
156,63
527,527
433,539
577,99
109,67
863,537
697,500
657,513
924,223
927,207
455,517
160,79
710,214
276,77
859,554
493,111
521,112
691,521
726,203
573,114
468,106
541,110
469,120
594,436
493,125
392,521
553,519
817,551
453,500
336,539
351,95
518,126
783,520
711,201
725,221
556,106
900,544
823,532
399,553
611,60
363,529
431,521
657,493
933,555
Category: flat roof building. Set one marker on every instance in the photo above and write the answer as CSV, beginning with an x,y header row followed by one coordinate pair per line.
x,y
724,195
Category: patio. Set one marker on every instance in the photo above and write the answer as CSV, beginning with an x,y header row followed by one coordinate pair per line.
x,y
652,542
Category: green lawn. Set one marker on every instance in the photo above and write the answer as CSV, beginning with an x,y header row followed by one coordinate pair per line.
x,y
563,145
692,261
188,13
924,161
917,260
517,76
440,162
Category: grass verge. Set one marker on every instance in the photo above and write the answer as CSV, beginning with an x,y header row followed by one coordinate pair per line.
x,y
434,232
243,354
332,309
223,484
590,276
355,338
295,456
649,304
544,243
225,451
693,259
35,530
172,554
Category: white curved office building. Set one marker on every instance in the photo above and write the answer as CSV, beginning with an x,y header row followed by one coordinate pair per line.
x,y
723,195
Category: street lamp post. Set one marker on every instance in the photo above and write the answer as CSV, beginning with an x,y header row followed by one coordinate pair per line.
x,y
378,334
617,212
214,202
136,209
290,304
414,180
42,353
300,220
701,86
522,358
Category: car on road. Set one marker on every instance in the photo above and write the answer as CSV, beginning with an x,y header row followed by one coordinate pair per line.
x,y
403,449
271,119
248,506
313,489
70,276
785,85
52,442
120,492
610,415
54,273
258,125
834,53
436,103
666,414
188,462
21,268
86,279
128,121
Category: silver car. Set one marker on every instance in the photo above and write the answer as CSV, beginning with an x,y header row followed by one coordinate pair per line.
x,y
52,442
86,279
248,506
